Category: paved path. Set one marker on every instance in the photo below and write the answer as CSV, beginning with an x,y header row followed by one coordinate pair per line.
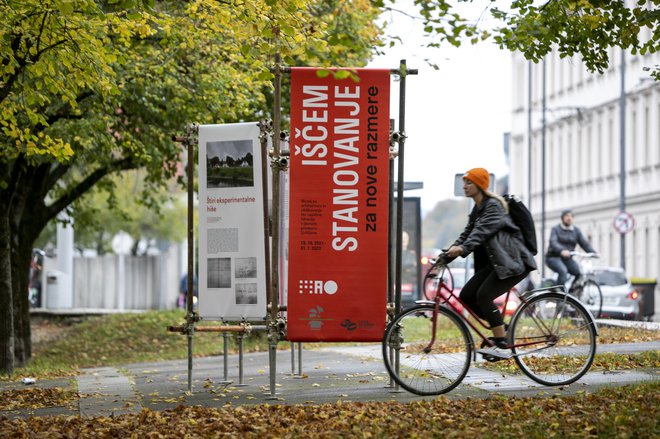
x,y
107,391
347,373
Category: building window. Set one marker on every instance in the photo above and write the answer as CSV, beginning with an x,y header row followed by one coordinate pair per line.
x,y
591,163
646,257
561,66
561,170
599,146
537,162
634,150
571,157
610,140
657,136
582,161
647,141
552,157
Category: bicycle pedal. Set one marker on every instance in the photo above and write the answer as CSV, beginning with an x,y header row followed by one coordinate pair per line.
x,y
490,358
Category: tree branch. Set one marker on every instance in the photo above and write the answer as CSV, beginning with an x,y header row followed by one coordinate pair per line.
x,y
89,181
64,114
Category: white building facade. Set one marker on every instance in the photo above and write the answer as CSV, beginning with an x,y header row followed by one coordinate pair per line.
x,y
582,145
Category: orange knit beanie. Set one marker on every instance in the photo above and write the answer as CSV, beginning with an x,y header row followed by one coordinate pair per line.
x,y
478,176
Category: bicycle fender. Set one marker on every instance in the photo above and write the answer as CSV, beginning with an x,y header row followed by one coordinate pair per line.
x,y
559,289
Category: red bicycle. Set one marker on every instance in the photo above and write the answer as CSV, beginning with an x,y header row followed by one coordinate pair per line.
x,y
428,348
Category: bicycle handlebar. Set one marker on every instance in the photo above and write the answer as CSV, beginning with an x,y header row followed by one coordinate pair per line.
x,y
440,260
589,255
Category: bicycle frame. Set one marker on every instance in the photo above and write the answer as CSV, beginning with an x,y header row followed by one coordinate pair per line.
x,y
449,293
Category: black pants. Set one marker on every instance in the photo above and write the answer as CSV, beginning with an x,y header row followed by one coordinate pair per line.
x,y
482,288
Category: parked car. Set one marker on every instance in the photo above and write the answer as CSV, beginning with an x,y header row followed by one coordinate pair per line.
x,y
620,299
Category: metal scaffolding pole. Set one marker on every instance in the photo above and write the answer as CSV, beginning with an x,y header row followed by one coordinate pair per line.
x,y
273,333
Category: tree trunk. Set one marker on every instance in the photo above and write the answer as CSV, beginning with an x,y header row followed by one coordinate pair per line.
x,y
23,215
25,223
20,268
7,362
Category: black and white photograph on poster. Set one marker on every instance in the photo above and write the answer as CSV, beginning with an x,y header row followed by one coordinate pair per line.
x,y
246,294
246,268
219,273
229,163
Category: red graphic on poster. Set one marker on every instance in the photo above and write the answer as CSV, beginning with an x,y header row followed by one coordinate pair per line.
x,y
338,217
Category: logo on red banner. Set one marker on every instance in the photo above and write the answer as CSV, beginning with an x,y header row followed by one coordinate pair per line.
x,y
338,211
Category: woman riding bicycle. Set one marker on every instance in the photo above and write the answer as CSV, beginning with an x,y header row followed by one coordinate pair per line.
x,y
501,259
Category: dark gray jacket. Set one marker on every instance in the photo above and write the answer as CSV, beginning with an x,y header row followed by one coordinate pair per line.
x,y
490,228
567,239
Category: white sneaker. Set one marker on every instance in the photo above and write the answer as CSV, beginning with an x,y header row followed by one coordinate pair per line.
x,y
494,351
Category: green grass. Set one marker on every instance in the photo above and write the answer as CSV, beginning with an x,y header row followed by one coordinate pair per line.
x,y
122,339
243,175
118,339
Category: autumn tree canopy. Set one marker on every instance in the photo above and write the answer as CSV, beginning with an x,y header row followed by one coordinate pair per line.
x,y
91,88
585,28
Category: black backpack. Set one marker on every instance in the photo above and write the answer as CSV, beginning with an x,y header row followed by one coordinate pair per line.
x,y
522,218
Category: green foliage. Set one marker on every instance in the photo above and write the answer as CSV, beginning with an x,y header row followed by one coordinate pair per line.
x,y
587,28
89,89
571,27
102,214
111,93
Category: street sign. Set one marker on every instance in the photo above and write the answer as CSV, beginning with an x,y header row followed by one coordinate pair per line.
x,y
623,222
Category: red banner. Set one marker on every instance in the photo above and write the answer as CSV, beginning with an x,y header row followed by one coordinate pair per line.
x,y
338,205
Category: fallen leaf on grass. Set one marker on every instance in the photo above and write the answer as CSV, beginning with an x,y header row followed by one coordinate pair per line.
x,y
35,397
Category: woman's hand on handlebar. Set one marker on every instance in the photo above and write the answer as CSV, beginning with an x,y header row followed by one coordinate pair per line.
x,y
454,251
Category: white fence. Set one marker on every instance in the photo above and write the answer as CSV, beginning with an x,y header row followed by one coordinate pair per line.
x,y
117,282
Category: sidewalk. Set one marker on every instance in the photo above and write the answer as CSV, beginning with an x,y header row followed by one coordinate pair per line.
x,y
338,373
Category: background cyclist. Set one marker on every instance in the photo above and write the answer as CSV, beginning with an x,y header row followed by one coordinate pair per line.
x,y
564,237
501,259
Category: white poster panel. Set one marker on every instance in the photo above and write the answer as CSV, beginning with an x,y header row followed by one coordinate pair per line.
x,y
232,269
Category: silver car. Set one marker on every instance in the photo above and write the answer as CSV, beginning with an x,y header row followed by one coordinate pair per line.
x,y
620,300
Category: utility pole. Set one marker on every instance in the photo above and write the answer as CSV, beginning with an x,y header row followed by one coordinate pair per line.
x,y
529,134
622,152
543,121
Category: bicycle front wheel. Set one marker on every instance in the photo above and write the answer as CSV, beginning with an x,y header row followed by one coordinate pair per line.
x,y
591,297
554,339
422,360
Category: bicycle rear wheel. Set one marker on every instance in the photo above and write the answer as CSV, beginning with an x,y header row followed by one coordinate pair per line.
x,y
591,296
423,370
555,339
